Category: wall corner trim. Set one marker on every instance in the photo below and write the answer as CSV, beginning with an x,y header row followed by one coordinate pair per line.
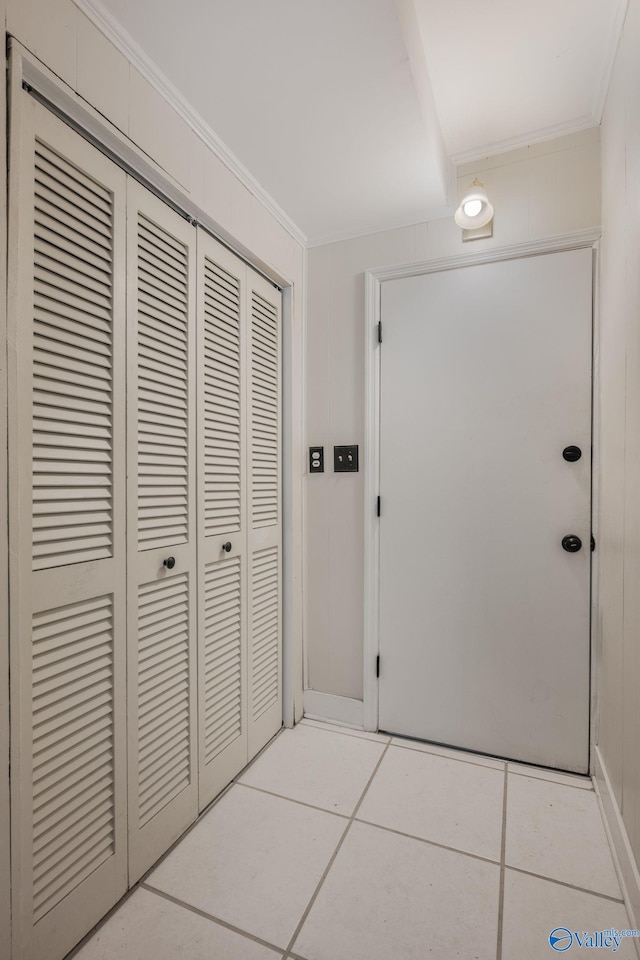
x,y
624,859
129,48
609,59
332,709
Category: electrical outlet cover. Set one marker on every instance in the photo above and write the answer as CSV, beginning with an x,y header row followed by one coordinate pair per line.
x,y
316,459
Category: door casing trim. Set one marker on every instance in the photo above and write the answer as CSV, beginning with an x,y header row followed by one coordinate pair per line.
x,y
374,278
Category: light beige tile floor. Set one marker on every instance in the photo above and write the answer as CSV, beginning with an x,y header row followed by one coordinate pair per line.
x,y
339,846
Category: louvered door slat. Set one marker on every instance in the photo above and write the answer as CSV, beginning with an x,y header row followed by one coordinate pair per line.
x,y
68,782
71,360
265,635
50,170
265,412
222,386
265,587
223,687
163,672
163,373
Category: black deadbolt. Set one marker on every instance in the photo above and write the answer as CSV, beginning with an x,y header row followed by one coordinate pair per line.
x,y
571,543
572,454
227,546
169,563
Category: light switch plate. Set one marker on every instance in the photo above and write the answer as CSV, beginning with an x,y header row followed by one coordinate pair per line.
x,y
345,459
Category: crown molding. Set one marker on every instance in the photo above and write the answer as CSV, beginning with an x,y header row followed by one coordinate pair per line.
x,y
525,140
593,119
129,48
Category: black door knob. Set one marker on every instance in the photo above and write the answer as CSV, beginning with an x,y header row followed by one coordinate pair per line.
x,y
572,453
227,546
571,543
169,563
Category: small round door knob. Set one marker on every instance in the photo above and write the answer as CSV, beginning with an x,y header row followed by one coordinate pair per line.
x,y
572,453
571,543
169,563
227,546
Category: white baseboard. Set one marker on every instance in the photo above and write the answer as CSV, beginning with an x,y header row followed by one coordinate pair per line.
x,y
341,710
623,854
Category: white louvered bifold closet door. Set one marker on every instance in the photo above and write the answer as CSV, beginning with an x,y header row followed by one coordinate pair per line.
x,y
162,536
264,546
67,472
222,556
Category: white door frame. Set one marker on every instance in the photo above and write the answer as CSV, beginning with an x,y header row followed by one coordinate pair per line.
x,y
373,281
25,68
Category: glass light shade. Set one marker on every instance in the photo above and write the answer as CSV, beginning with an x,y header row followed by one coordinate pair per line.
x,y
475,210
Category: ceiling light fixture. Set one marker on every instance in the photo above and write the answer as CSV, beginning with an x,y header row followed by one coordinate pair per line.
x,y
474,211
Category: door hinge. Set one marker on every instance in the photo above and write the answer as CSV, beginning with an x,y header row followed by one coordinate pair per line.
x,y
593,543
378,665
380,331
378,507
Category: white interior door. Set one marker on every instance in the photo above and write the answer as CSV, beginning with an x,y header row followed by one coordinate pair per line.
x,y
484,617
264,508
68,561
161,531
222,526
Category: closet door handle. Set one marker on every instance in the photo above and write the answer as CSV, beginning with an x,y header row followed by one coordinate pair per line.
x,y
169,563
571,543
227,546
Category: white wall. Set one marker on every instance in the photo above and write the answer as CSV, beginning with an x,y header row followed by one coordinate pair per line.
x,y
540,191
619,619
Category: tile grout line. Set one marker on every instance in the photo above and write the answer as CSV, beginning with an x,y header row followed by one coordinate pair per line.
x,y
495,863
301,922
561,779
583,783
571,886
429,843
344,731
434,843
302,803
347,732
503,845
209,916
445,756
